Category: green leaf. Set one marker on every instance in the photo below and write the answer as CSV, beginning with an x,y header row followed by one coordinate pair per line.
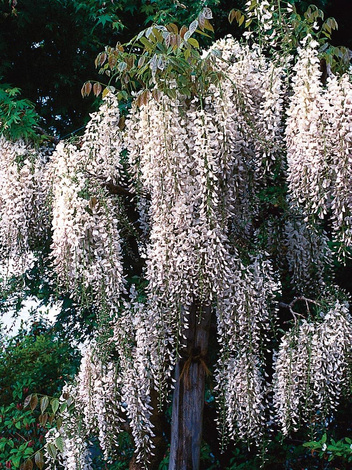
x,y
147,44
172,27
202,33
59,423
105,92
59,443
44,402
43,419
52,450
63,407
39,460
103,19
55,404
193,42
311,444
141,60
16,462
232,16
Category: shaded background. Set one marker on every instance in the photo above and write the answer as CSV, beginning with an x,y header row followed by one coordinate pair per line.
x,y
48,48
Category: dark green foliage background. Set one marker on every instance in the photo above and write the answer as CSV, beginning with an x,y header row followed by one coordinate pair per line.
x,y
40,358
47,48
37,360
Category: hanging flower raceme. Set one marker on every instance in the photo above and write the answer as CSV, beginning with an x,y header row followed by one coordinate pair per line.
x,y
307,155
86,246
247,310
270,144
68,446
339,136
311,368
319,144
249,111
100,146
133,342
176,157
74,452
244,395
95,408
262,13
23,210
97,398
308,255
109,393
245,315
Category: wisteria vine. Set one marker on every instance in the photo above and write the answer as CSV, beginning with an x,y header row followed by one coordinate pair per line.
x,y
196,168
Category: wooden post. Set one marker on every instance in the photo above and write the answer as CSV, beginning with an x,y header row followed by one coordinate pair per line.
x,y
188,398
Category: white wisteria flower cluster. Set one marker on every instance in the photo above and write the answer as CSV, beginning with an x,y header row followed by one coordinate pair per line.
x,y
23,208
261,11
308,254
319,143
86,246
111,396
97,399
312,367
67,446
199,163
245,315
196,168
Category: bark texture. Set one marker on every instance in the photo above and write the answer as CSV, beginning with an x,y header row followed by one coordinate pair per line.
x,y
188,398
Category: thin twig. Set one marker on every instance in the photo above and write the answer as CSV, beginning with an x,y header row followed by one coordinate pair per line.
x,y
291,304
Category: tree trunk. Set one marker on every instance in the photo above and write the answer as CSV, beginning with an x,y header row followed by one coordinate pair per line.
x,y
188,398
